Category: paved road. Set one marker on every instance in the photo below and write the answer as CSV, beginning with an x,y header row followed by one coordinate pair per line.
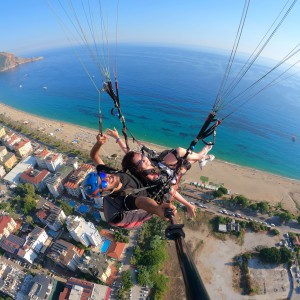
x,y
214,208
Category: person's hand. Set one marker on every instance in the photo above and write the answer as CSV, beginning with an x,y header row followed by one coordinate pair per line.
x,y
161,210
101,139
113,133
191,211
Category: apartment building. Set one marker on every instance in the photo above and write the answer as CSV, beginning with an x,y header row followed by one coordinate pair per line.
x,y
3,152
7,226
23,147
72,186
2,171
35,177
40,156
9,160
55,182
65,254
52,216
83,231
82,289
54,161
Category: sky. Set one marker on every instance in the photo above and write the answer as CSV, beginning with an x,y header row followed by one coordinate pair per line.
x,y
29,25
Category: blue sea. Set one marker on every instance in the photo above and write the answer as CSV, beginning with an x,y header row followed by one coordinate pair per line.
x,y
166,94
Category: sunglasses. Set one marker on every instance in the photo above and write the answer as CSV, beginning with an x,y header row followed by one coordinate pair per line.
x,y
143,156
103,183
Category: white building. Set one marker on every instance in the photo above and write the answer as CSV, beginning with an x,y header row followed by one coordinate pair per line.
x,y
40,156
14,175
54,162
3,152
65,254
83,232
55,185
33,244
23,147
52,216
55,182
10,139
2,171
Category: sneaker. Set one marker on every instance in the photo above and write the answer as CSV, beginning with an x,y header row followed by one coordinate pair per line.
x,y
210,157
205,160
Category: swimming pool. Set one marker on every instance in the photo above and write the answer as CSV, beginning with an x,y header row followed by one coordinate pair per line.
x,y
83,209
105,246
72,203
96,215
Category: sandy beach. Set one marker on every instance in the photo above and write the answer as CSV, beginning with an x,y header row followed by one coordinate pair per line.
x,y
254,184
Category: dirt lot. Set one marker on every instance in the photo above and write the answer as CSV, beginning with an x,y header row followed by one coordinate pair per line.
x,y
214,260
270,280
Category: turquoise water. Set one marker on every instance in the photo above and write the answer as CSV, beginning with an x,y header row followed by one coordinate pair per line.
x,y
83,209
72,204
166,95
105,246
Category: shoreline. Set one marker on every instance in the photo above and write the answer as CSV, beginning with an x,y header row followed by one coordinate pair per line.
x,y
254,184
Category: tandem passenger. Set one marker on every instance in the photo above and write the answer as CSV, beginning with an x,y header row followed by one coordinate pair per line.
x,y
125,200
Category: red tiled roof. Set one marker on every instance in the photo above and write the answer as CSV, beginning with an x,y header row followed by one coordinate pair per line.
x,y
115,250
42,153
21,144
41,214
4,220
29,176
78,176
296,240
12,140
112,276
53,157
107,234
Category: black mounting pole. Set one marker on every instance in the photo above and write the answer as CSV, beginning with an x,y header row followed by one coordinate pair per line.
x,y
195,289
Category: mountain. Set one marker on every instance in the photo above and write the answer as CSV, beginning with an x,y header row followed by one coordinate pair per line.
x,y
10,61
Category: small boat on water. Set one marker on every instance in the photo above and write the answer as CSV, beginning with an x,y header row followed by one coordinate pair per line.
x,y
20,86
294,138
45,88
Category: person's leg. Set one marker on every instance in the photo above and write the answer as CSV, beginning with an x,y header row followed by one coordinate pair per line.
x,y
171,160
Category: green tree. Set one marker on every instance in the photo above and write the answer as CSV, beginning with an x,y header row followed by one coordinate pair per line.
x,y
223,190
285,255
126,280
29,204
270,255
151,257
160,286
217,194
242,201
120,238
143,276
68,210
3,205
285,216
28,219
155,242
263,207
25,189
204,179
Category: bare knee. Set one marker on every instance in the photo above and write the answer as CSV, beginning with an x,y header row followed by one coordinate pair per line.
x,y
180,151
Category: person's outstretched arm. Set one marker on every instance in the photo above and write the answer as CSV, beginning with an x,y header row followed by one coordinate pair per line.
x,y
152,207
114,133
191,209
94,154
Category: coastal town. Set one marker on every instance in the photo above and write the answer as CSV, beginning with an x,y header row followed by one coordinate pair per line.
x,y
93,94
55,246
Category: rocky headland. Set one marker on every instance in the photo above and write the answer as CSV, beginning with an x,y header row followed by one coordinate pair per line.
x,y
10,61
